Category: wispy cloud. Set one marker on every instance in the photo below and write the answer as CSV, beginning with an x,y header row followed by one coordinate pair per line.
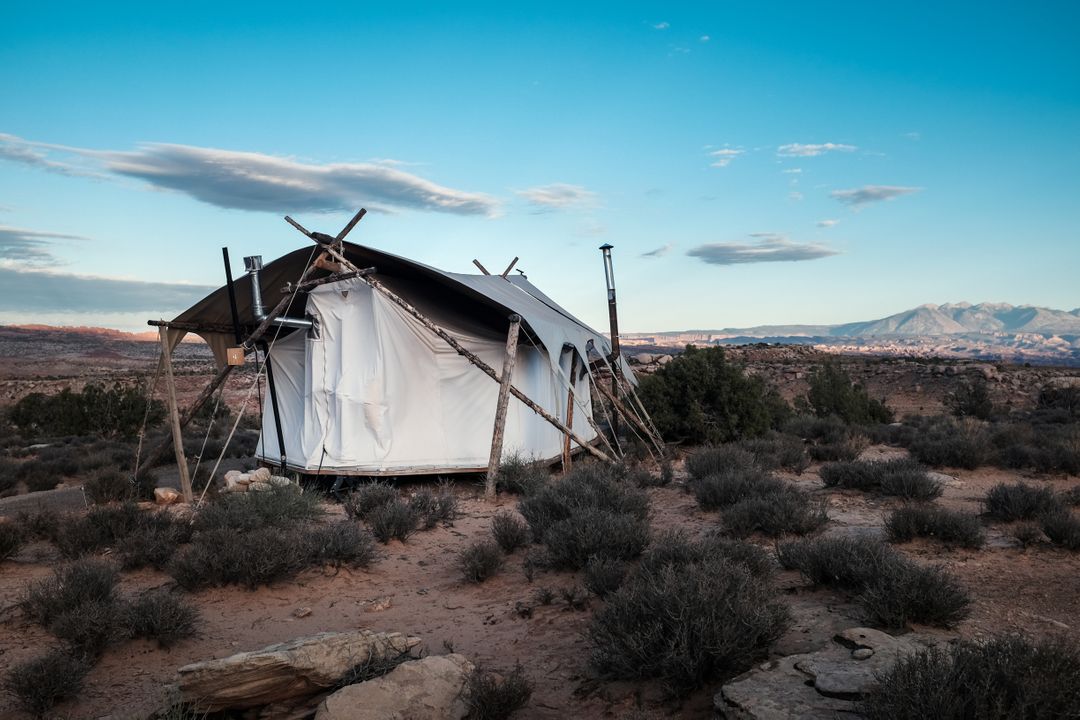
x,y
913,135
857,197
22,247
795,195
827,223
659,252
558,196
32,290
812,150
704,38
662,25
792,171
724,156
256,181
768,247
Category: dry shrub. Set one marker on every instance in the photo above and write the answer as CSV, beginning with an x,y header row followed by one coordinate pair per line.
x,y
340,544
109,485
227,556
395,520
1063,528
721,459
367,497
41,683
788,511
727,487
278,507
1004,678
12,537
161,616
945,442
70,587
685,617
480,560
495,697
901,478
1019,501
776,451
509,531
433,507
846,450
946,526
603,576
520,476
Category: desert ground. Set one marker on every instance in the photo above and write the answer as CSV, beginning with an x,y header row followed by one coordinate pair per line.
x,y
416,586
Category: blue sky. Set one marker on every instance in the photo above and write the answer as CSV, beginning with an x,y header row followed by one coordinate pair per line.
x,y
752,163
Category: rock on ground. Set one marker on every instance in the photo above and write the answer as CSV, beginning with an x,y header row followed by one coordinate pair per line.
x,y
818,685
285,671
428,689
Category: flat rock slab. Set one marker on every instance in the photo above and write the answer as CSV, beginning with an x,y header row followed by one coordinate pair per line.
x,y
429,689
285,671
818,685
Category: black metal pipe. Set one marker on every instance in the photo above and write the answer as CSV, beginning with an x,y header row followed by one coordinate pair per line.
x,y
232,296
274,404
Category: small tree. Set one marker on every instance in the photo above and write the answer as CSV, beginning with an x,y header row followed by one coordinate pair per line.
x,y
699,397
971,399
832,392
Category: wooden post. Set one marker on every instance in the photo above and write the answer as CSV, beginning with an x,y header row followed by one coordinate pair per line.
x,y
569,414
174,417
500,409
620,409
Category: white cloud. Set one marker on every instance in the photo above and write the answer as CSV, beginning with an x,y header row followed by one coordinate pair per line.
x,y
256,181
827,223
812,150
558,196
704,38
659,252
662,25
792,171
795,195
724,156
857,197
913,135
769,247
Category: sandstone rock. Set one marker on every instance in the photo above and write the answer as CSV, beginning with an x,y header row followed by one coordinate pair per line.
x,y
285,671
232,475
260,475
260,487
664,360
166,496
236,481
428,689
643,358
279,481
821,684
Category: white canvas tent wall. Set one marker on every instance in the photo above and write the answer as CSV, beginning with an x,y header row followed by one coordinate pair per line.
x,y
376,393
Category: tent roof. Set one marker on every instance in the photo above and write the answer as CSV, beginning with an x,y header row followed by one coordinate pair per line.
x,y
487,300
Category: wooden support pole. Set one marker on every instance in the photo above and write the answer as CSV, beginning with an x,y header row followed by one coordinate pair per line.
x,y
569,414
174,417
509,267
618,407
500,409
482,268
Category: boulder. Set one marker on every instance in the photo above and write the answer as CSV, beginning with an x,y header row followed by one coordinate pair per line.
x,y
260,475
279,481
664,359
643,358
285,671
260,486
428,689
821,684
166,495
236,481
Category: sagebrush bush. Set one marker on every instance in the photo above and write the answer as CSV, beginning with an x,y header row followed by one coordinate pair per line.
x,y
12,537
520,476
153,542
595,532
788,511
776,451
603,576
832,393
40,524
395,520
944,442
1070,496
41,683
367,497
1019,501
1001,679
826,430
846,450
109,485
91,626
226,556
723,458
1046,447
480,560
1064,398
947,526
699,397
692,618
891,590
1027,533
96,410
728,487
496,697
69,587
901,478
1063,528
674,548
340,544
509,531
278,507
101,526
161,616
433,507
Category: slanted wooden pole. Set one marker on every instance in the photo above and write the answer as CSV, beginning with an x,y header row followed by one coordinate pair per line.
x,y
500,409
509,267
174,417
619,408
569,414
482,268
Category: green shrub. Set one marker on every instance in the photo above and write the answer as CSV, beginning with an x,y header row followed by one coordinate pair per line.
x,y
847,450
393,521
367,497
777,451
153,542
101,527
509,531
943,442
692,619
595,532
721,459
1001,679
226,556
339,544
480,560
789,511
1046,448
891,590
91,627
828,430
109,485
946,526
40,524
41,683
971,399
700,398
901,478
278,507
588,486
520,476
1063,528
70,587
603,576
495,697
832,392
435,507
115,411
1064,398
1019,501
729,487
12,537
161,616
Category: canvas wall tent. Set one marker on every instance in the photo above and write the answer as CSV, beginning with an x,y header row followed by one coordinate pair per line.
x,y
370,390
